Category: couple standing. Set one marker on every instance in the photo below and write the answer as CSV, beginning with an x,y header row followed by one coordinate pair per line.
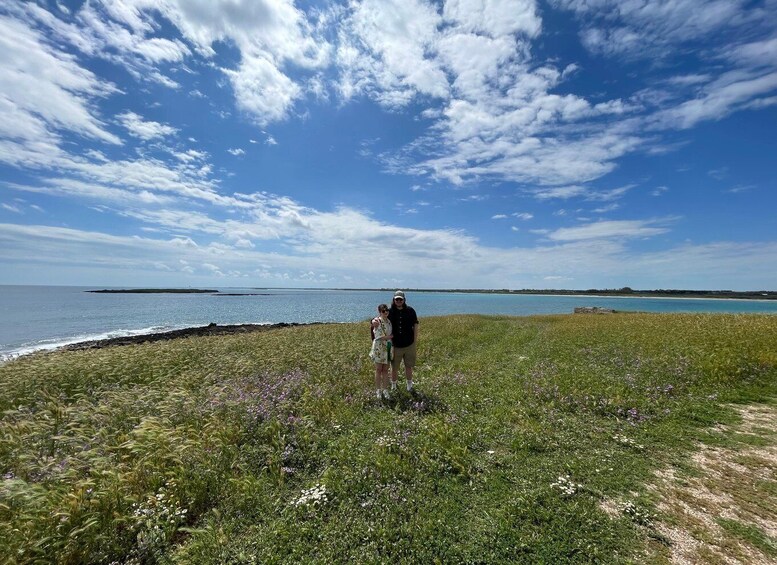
x,y
395,335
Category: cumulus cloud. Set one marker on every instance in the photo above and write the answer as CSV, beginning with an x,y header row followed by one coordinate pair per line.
x,y
386,50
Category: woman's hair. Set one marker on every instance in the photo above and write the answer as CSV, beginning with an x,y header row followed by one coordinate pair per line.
x,y
382,307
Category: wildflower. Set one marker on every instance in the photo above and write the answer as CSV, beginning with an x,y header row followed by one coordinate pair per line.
x,y
566,485
314,496
637,514
623,440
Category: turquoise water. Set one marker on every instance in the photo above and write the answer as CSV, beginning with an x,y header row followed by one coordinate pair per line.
x,y
45,317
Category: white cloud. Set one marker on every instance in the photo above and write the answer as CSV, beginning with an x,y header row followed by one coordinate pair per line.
x,y
438,256
610,195
269,35
606,209
562,192
237,152
741,188
645,29
724,95
72,188
523,215
608,229
494,17
499,216
263,90
159,49
495,112
756,53
386,49
11,208
146,130
44,91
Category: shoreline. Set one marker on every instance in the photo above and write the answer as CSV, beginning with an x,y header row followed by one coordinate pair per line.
x,y
149,337
196,331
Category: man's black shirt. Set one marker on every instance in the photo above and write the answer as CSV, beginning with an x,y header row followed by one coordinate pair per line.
x,y
402,322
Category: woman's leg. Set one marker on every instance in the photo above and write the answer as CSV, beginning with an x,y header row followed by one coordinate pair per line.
x,y
385,377
378,378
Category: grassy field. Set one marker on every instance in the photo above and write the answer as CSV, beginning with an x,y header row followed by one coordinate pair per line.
x,y
528,440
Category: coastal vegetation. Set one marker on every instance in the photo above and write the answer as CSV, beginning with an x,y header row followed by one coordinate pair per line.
x,y
549,439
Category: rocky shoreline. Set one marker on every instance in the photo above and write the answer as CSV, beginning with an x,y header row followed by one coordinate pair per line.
x,y
210,329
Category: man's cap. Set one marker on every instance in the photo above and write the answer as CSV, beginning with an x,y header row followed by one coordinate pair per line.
x,y
399,294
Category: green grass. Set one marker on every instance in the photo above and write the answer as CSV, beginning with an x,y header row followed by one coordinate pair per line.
x,y
207,450
750,534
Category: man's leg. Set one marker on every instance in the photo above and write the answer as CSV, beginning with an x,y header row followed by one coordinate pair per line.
x,y
395,361
409,364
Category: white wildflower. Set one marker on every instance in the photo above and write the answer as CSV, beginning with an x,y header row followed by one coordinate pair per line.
x,y
566,485
628,442
312,496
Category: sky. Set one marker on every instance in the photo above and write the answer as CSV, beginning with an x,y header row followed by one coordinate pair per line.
x,y
484,144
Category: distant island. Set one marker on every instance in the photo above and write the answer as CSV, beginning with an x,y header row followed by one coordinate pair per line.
x,y
625,291
154,291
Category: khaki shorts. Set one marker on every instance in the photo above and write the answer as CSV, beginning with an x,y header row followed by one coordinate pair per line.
x,y
406,353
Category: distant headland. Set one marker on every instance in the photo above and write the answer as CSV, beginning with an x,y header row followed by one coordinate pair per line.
x,y
154,291
625,291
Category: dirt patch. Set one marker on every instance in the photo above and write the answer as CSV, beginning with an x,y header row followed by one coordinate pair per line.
x,y
724,509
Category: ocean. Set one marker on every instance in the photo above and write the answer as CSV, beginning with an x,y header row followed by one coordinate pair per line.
x,y
33,318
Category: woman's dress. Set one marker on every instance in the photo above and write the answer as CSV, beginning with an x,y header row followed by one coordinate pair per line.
x,y
379,352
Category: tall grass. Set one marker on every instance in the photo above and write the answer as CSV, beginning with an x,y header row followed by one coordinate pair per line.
x,y
270,447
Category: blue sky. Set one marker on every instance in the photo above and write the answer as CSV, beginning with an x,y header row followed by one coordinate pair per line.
x,y
380,143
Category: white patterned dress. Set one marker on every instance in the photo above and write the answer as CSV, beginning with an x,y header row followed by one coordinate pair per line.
x,y
379,351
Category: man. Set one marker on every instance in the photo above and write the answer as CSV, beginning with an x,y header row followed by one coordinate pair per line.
x,y
405,328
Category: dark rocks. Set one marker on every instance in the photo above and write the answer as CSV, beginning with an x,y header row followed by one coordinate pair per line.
x,y
210,329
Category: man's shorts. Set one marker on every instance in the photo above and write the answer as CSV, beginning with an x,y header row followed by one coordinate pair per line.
x,y
406,353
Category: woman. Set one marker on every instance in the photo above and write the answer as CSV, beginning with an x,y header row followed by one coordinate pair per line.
x,y
381,351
